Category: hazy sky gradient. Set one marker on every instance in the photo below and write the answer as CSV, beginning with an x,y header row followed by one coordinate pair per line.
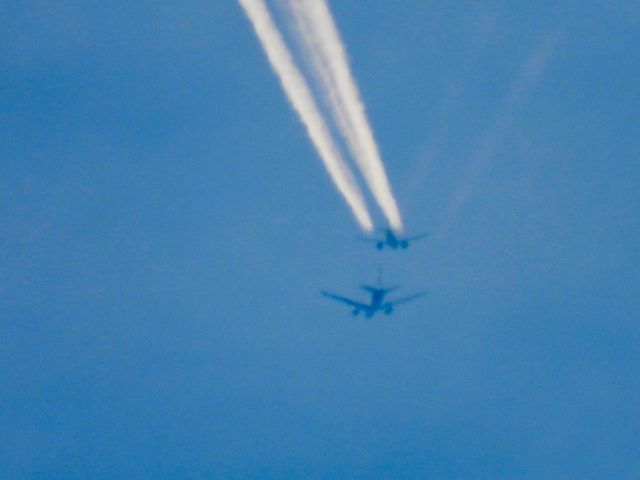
x,y
167,228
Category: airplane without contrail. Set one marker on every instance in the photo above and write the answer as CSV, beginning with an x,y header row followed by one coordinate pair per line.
x,y
377,302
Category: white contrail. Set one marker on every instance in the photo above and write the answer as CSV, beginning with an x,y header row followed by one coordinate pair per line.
x,y
299,94
327,53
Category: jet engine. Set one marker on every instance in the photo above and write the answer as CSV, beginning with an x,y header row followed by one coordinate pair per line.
x,y
388,309
355,312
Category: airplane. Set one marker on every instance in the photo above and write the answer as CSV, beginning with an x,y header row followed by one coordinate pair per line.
x,y
392,241
377,303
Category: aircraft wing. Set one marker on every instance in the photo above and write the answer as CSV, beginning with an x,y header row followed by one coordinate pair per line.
x,y
407,299
348,301
417,237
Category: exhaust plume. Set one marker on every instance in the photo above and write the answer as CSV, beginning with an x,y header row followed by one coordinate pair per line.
x,y
321,39
302,101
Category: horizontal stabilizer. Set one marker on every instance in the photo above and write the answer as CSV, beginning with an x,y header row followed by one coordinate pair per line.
x,y
369,288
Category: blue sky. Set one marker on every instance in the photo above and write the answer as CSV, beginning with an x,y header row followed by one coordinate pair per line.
x,y
167,228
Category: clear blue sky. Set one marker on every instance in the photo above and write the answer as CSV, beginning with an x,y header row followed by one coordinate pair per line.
x,y
166,226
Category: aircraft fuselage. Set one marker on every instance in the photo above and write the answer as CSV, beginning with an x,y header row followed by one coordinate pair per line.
x,y
391,241
377,303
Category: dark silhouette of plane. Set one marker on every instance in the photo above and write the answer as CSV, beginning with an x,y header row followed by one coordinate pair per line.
x,y
392,241
377,302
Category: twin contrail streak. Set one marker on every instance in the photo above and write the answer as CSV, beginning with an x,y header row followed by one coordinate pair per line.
x,y
302,101
327,53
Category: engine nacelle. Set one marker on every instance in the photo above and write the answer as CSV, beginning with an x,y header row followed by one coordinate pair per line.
x,y
404,244
355,312
388,309
380,245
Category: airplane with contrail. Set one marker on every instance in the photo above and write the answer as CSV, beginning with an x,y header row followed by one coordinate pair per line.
x,y
393,241
321,40
302,101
